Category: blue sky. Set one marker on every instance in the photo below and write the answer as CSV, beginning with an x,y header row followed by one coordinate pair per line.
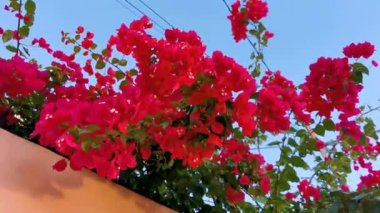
x,y
304,30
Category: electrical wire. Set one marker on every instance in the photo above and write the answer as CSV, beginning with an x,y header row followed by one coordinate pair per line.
x,y
159,30
157,14
142,13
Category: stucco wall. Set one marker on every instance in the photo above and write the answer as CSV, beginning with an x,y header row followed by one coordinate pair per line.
x,y
28,184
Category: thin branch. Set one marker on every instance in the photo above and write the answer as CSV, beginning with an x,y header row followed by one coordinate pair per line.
x,y
265,147
18,28
369,111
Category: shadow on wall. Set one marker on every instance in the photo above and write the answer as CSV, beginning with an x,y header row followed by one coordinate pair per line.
x,y
29,184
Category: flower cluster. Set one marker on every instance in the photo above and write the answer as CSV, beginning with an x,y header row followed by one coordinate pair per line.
x,y
364,50
307,191
329,87
20,78
252,10
277,97
179,100
180,105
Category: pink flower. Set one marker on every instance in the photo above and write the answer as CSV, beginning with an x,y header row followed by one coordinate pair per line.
x,y
244,180
345,188
268,35
79,30
234,196
60,165
265,184
320,144
290,196
364,49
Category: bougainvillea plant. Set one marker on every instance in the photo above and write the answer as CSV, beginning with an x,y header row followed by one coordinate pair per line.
x,y
185,128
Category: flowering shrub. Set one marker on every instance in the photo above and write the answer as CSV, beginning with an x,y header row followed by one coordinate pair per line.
x,y
180,126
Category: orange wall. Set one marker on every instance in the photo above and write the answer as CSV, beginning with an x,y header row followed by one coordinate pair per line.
x,y
28,184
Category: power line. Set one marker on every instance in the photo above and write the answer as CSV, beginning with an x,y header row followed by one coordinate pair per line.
x,y
249,40
136,15
157,14
140,11
125,7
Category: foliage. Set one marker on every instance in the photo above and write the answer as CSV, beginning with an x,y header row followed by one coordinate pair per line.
x,y
186,129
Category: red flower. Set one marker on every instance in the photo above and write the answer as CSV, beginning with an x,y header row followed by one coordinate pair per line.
x,y
234,196
320,144
90,35
79,30
330,86
244,180
20,78
345,188
365,50
269,167
87,43
146,152
239,21
276,98
43,44
268,35
1,31
290,196
265,184
60,165
256,9
307,191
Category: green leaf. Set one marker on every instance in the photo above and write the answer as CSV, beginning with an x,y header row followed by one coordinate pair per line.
x,y
104,52
298,162
11,48
290,174
256,72
92,127
274,143
14,5
7,36
24,31
86,144
359,67
123,62
261,28
94,46
320,130
370,129
123,83
95,56
119,75
292,142
283,186
115,61
248,207
301,133
30,7
100,64
133,72
76,49
329,125
357,77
